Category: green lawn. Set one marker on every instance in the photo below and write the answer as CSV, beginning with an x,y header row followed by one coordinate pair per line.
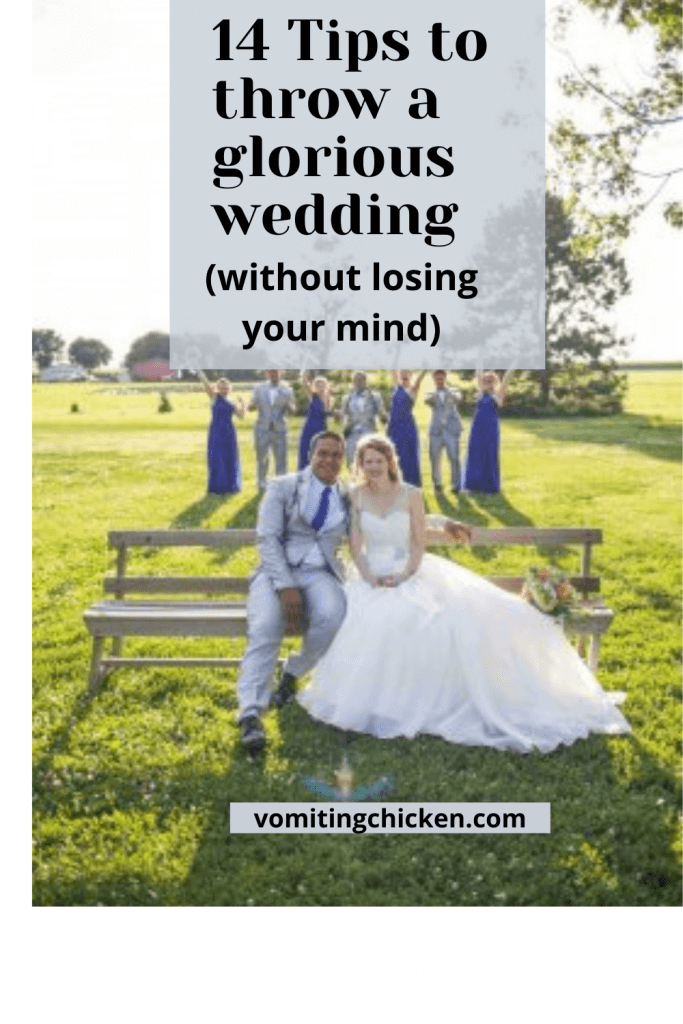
x,y
132,788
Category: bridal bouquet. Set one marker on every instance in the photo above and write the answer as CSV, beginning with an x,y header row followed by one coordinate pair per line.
x,y
549,590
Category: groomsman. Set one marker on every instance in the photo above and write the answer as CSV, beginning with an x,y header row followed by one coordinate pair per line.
x,y
445,429
272,400
360,409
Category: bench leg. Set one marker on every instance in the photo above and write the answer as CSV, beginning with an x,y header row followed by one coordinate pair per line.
x,y
117,646
95,669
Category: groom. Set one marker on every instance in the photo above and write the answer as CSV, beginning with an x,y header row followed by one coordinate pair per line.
x,y
303,519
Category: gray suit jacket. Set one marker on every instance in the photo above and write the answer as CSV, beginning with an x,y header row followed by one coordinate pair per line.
x,y
284,537
360,415
445,415
271,414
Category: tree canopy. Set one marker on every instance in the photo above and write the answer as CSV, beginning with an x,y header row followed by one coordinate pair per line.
x,y
89,353
584,278
154,345
609,162
46,346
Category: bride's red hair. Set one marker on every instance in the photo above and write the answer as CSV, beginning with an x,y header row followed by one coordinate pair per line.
x,y
381,444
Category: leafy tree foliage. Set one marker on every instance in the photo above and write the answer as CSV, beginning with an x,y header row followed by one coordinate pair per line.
x,y
89,353
46,346
608,162
584,278
154,345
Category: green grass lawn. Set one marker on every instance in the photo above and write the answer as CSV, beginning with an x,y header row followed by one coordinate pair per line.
x,y
132,788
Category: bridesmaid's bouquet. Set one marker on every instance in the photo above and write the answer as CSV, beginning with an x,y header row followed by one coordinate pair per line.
x,y
549,590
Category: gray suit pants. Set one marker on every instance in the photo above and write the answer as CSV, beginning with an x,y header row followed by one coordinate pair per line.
x,y
352,443
264,440
451,442
325,604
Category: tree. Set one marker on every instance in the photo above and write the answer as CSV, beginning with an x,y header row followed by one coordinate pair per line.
x,y
154,345
584,278
89,353
608,163
46,345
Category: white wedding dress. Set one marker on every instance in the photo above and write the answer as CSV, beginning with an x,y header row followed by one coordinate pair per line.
x,y
450,654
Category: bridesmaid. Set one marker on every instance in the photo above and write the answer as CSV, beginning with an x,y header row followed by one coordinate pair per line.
x,y
482,470
402,428
223,455
322,403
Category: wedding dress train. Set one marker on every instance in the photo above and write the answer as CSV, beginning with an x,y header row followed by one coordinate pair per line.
x,y
450,654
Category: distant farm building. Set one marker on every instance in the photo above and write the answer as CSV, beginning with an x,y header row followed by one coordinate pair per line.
x,y
153,369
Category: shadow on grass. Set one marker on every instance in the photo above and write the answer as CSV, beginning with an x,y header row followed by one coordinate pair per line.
x,y
647,435
199,511
477,509
611,840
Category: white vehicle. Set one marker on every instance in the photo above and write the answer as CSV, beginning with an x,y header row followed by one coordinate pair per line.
x,y
63,372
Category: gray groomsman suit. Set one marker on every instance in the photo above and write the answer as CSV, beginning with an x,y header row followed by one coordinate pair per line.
x,y
360,409
270,429
293,554
444,432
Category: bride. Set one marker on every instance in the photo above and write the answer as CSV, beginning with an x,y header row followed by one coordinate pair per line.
x,y
430,647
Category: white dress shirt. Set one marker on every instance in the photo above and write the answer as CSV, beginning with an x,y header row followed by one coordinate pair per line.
x,y
336,512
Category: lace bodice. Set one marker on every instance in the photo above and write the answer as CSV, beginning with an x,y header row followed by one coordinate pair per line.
x,y
386,538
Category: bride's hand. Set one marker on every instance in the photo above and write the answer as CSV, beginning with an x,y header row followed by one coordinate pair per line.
x,y
390,581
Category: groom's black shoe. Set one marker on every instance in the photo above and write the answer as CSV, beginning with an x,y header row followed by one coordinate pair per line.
x,y
253,734
285,691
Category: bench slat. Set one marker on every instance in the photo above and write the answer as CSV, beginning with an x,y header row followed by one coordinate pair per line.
x,y
176,585
532,535
181,538
164,662
240,584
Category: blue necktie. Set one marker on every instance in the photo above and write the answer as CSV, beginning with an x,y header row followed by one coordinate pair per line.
x,y
323,508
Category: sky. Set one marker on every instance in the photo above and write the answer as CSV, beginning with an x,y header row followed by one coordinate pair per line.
x,y
101,177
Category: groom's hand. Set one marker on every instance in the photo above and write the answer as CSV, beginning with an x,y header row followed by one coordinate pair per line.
x,y
460,532
293,608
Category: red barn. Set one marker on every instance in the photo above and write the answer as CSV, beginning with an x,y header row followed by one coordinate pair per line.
x,y
153,369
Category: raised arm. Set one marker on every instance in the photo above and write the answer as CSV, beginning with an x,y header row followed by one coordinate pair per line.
x,y
395,377
416,386
239,406
502,390
208,387
479,370
306,381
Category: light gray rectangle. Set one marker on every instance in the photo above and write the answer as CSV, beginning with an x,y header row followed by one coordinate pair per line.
x,y
374,818
335,216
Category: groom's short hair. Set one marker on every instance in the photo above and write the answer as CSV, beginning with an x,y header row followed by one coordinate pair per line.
x,y
320,436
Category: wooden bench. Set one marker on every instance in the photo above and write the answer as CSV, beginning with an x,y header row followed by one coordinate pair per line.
x,y
178,614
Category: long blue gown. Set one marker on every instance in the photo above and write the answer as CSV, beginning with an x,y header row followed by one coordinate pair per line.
x,y
402,430
222,452
316,420
482,471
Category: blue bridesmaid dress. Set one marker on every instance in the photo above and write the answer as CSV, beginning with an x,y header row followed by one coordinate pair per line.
x,y
316,420
222,451
482,471
402,430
